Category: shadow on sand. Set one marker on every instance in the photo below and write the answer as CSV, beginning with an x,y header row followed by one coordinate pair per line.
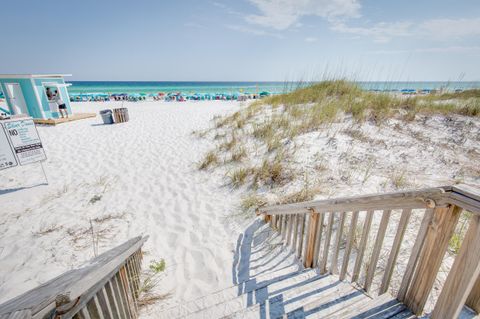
x,y
16,189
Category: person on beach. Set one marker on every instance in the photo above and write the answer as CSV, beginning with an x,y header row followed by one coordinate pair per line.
x,y
61,105
49,94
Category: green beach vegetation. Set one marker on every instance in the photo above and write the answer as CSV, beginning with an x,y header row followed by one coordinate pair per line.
x,y
258,142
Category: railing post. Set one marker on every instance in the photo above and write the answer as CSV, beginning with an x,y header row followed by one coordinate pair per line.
x,y
312,234
439,232
473,300
462,276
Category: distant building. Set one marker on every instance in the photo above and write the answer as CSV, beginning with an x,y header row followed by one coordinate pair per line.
x,y
27,94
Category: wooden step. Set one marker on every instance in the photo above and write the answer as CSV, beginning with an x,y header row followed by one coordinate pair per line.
x,y
279,301
303,302
280,278
274,293
381,307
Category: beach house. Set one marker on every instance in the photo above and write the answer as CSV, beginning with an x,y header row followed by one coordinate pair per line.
x,y
30,94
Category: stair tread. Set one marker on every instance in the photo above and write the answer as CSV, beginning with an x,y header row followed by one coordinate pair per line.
x,y
277,301
279,278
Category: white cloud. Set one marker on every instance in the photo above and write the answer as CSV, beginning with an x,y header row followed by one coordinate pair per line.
x,y
194,25
311,39
447,29
448,49
381,32
436,29
253,31
282,14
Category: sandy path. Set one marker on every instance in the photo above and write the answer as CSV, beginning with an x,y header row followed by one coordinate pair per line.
x,y
130,179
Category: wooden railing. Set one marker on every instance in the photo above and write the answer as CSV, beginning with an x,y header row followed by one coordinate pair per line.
x,y
107,287
316,231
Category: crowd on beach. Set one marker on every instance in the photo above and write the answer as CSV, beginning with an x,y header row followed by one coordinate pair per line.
x,y
161,96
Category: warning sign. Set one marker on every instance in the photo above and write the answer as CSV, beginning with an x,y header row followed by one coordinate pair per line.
x,y
25,141
7,157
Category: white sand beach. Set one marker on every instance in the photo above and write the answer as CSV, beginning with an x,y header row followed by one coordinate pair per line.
x,y
130,179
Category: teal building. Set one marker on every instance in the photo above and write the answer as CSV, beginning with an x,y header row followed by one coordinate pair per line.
x,y
33,94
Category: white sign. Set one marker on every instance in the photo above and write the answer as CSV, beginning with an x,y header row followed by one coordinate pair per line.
x,y
7,157
25,141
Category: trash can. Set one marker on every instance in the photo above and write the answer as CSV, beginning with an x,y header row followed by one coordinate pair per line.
x,y
106,116
121,115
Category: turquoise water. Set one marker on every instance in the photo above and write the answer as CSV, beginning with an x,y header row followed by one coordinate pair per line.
x,y
245,87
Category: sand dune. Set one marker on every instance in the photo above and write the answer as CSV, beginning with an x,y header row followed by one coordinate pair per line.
x,y
127,179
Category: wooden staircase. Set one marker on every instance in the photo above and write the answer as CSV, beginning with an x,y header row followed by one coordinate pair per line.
x,y
347,258
272,283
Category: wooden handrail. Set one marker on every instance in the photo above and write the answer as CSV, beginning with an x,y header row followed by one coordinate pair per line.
x,y
441,206
83,285
426,198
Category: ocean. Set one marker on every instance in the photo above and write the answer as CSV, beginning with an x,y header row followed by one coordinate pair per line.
x,y
243,87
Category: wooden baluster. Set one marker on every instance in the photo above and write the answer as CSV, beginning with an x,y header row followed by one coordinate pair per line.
x,y
280,224
98,307
284,228
338,242
104,303
113,300
308,221
295,233
289,229
397,242
412,261
362,245
318,239
131,304
372,266
348,248
326,246
85,313
312,235
119,296
300,236
473,300
274,222
436,242
462,276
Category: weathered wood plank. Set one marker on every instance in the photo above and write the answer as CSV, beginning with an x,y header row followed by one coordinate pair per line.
x,y
372,266
104,304
338,242
414,255
98,307
308,221
131,304
312,235
436,242
395,200
473,300
295,232
116,312
85,313
361,247
397,242
119,295
326,245
289,230
318,239
300,236
348,248
462,276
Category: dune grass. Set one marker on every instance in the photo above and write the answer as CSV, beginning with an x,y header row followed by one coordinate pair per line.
x,y
257,140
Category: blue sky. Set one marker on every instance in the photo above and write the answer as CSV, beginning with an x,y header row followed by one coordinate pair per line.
x,y
187,40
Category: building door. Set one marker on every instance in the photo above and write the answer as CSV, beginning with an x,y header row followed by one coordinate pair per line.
x,y
15,98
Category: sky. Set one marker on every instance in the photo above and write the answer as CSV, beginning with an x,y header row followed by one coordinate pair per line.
x,y
243,40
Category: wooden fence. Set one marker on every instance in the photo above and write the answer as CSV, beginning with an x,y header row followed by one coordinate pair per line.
x,y
107,287
316,232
